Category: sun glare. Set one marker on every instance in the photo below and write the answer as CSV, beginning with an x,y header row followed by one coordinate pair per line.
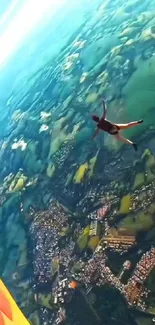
x,y
25,19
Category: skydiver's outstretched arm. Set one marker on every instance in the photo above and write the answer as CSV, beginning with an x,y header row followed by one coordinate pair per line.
x,y
96,132
104,108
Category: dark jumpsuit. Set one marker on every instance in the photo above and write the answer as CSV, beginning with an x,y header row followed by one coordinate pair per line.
x,y
107,126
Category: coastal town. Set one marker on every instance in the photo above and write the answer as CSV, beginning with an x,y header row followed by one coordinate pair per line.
x,y
87,260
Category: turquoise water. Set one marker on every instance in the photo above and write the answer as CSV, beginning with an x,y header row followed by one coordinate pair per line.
x,y
64,194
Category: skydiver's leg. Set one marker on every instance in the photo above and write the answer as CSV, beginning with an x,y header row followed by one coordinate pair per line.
x,y
128,125
121,138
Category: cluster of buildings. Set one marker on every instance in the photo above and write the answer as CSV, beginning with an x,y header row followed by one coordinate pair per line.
x,y
135,291
118,242
95,270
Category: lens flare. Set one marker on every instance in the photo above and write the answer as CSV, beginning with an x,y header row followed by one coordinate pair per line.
x,y
23,22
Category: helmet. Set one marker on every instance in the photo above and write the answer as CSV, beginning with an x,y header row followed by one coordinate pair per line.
x,y
95,118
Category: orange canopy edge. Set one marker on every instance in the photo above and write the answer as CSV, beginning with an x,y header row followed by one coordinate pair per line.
x,y
10,314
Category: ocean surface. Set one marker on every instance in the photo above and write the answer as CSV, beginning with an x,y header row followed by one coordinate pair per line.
x,y
77,193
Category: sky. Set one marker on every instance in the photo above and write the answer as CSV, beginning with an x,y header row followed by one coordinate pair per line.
x,y
20,19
